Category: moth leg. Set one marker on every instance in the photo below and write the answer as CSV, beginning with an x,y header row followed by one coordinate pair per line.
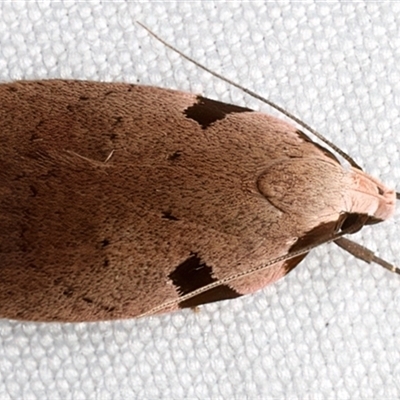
x,y
364,254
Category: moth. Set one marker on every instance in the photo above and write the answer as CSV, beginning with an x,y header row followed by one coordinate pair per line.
x,y
121,200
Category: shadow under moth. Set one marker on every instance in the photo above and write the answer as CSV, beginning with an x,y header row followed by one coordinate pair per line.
x,y
121,200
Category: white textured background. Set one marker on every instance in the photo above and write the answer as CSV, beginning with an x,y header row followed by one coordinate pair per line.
x,y
331,329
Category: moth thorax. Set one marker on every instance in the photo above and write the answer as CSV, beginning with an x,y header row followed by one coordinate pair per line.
x,y
320,187
301,187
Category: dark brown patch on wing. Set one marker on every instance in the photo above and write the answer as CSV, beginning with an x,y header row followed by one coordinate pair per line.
x,y
373,221
175,155
168,215
353,222
312,236
303,136
206,111
347,221
105,242
194,274
292,263
218,293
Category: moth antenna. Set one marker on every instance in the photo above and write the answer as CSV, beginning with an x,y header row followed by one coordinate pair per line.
x,y
258,97
364,254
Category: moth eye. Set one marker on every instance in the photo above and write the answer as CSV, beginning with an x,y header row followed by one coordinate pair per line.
x,y
380,190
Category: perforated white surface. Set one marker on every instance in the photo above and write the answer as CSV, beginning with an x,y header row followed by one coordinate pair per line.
x,y
331,329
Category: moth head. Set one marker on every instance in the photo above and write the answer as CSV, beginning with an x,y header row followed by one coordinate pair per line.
x,y
371,197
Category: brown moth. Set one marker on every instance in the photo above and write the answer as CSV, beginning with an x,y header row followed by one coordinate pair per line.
x,y
118,200
121,200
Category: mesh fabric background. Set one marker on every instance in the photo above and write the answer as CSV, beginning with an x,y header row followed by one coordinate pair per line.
x,y
331,328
